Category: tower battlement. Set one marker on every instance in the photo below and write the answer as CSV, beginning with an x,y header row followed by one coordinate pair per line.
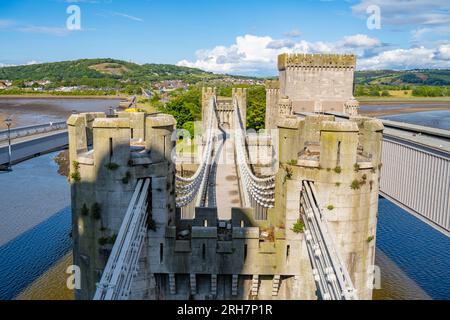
x,y
316,61
272,84
108,155
343,159
314,83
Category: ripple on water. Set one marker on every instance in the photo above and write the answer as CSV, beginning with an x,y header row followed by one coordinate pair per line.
x,y
28,256
419,250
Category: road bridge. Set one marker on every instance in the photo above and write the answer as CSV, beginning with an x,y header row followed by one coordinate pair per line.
x,y
31,141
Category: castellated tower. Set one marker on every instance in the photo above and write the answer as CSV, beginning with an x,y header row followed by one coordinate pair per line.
x,y
207,94
240,94
272,98
343,159
108,155
314,83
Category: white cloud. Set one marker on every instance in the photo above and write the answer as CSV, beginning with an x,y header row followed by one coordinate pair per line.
x,y
360,41
412,58
249,54
252,54
6,23
293,33
408,12
435,31
127,16
258,55
443,53
3,65
283,43
55,31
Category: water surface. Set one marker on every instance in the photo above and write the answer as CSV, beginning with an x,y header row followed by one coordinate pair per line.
x,y
435,119
30,111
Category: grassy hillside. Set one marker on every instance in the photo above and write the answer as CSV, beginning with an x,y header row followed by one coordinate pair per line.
x,y
404,78
113,71
101,69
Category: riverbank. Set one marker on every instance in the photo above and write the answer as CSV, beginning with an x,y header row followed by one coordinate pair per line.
x,y
52,285
38,109
54,96
378,100
388,107
390,112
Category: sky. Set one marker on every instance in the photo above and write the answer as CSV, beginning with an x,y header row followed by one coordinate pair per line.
x,y
232,36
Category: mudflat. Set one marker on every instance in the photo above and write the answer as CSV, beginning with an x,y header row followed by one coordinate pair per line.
x,y
386,107
39,110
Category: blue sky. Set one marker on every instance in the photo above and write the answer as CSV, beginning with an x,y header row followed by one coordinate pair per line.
x,y
240,37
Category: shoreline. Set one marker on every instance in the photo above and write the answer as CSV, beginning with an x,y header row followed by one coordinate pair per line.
x,y
75,97
393,112
394,100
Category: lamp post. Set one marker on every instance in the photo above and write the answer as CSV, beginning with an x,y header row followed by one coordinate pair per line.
x,y
8,124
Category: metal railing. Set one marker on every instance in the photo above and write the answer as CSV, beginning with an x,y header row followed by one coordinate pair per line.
x,y
32,130
330,273
257,191
122,265
194,188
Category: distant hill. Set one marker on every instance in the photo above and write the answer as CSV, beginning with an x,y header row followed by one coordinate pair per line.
x,y
431,77
105,69
111,72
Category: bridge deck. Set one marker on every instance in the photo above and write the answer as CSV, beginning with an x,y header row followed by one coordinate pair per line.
x,y
27,147
223,187
31,137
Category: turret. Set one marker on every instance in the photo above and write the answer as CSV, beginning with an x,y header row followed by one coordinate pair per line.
x,y
106,163
272,97
343,161
240,94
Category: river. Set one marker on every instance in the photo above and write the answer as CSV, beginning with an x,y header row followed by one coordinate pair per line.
x,y
36,245
29,111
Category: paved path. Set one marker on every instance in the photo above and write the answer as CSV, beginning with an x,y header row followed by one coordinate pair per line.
x,y
223,188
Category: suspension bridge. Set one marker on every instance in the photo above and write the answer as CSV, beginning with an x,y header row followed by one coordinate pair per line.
x,y
201,190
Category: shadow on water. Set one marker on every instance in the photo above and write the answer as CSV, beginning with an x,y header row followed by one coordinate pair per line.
x,y
416,248
28,256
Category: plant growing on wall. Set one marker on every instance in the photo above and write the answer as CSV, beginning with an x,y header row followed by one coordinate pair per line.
x,y
96,211
356,167
338,170
151,224
76,176
103,241
112,166
289,173
84,210
299,226
356,185
330,207
126,178
370,239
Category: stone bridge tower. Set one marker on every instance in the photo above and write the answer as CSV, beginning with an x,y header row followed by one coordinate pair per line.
x,y
225,110
108,155
343,159
313,83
